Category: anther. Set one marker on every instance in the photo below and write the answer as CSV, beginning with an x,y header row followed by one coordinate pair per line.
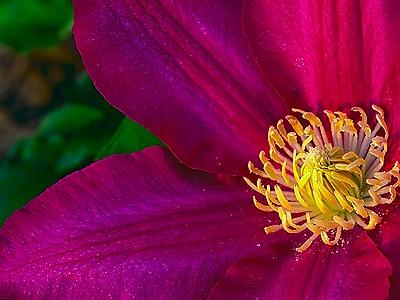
x,y
329,184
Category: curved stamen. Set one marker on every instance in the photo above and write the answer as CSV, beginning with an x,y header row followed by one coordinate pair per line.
x,y
327,185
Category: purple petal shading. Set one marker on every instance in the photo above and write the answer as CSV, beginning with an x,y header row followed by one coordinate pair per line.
x,y
183,70
354,270
139,225
332,53
387,237
389,95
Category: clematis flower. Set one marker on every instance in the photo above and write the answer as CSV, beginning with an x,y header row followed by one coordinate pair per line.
x,y
227,84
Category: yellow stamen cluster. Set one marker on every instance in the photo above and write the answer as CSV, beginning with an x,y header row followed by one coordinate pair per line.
x,y
325,184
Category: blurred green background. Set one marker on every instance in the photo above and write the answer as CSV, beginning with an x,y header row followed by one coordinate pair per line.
x,y
52,119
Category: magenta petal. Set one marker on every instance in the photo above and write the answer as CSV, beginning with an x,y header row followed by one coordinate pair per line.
x,y
387,237
337,52
381,25
354,270
139,225
389,95
183,70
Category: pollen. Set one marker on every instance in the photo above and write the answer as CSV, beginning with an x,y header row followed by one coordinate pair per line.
x,y
325,180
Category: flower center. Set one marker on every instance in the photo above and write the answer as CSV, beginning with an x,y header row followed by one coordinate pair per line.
x,y
325,184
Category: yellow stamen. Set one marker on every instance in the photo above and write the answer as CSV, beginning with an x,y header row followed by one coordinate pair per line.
x,y
307,243
306,142
284,174
273,228
270,170
273,135
282,129
328,185
261,206
295,124
374,219
349,155
282,198
326,240
374,195
342,222
379,154
299,198
343,202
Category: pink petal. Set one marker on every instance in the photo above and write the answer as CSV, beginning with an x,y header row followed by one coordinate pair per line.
x,y
389,95
139,225
183,70
387,237
332,53
381,25
354,270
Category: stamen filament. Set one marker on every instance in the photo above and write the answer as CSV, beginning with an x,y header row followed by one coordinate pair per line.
x,y
329,185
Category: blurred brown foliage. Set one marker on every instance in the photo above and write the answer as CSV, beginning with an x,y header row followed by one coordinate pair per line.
x,y
27,84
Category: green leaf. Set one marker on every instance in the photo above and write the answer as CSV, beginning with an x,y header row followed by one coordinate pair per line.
x,y
84,91
21,182
72,117
129,137
72,159
28,24
67,139
34,150
81,149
